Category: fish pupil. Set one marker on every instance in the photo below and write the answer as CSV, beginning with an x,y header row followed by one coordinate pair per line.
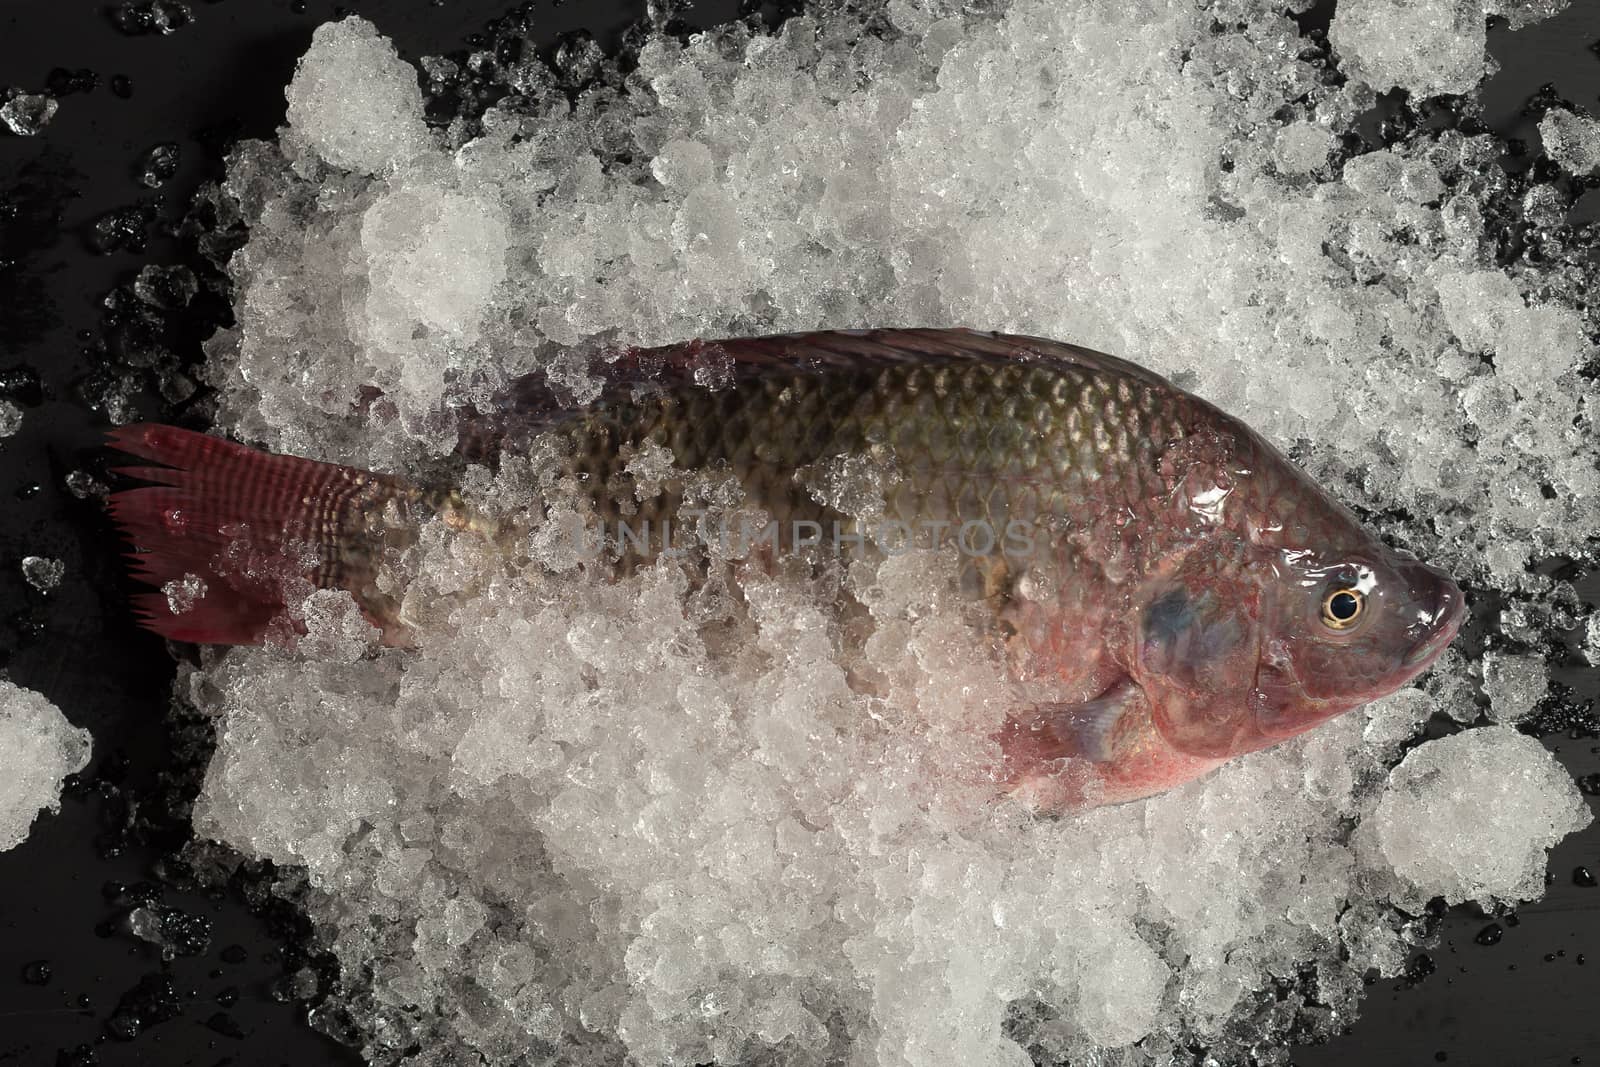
x,y
1343,606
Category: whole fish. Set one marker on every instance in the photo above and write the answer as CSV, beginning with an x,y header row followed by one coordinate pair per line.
x,y
1191,595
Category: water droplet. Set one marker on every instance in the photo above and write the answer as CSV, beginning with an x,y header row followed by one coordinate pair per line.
x,y
1420,967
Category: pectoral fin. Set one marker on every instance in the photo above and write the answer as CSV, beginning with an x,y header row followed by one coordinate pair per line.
x,y
1098,730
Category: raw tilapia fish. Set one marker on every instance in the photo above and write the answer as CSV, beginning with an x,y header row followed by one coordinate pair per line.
x,y
1188,592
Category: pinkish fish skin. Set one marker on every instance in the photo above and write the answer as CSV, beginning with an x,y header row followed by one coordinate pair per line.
x,y
1203,598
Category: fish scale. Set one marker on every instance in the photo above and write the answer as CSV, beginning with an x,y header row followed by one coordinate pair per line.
x,y
1041,443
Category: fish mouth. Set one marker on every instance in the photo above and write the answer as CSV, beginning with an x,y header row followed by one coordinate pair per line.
x,y
1446,616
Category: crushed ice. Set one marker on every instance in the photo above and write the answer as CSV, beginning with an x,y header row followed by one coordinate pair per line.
x,y
38,748
1572,140
43,572
27,114
1518,802
184,593
588,820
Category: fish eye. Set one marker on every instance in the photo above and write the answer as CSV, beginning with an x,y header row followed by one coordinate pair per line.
x,y
1342,607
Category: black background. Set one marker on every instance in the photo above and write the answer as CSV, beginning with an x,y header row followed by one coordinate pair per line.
x,y
1531,998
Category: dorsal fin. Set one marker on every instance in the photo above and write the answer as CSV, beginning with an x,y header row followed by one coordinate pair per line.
x,y
530,405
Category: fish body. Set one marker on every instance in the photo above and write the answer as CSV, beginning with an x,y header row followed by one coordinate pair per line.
x,y
1185,592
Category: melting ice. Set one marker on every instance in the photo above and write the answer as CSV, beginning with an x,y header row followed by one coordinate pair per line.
x,y
590,820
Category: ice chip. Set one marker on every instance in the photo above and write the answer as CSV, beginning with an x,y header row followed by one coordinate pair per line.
x,y
1120,1001
682,164
167,288
139,17
26,114
650,466
1425,47
184,593
1572,140
1513,684
10,418
1397,718
159,165
334,627
1302,147
434,259
1520,13
42,572
176,932
354,102
83,485
1471,816
38,748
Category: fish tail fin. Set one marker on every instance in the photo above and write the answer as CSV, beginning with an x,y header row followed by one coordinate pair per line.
x,y
227,533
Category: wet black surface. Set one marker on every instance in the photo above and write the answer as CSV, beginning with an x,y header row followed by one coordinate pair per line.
x,y
141,118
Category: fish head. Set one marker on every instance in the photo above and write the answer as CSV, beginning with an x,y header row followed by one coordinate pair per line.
x,y
1343,628
1238,651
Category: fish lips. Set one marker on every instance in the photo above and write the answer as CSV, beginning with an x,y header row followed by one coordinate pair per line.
x,y
1448,612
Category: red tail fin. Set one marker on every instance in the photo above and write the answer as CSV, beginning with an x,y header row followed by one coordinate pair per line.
x,y
245,523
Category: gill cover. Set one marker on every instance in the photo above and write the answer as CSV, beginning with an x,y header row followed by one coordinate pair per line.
x,y
1198,646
